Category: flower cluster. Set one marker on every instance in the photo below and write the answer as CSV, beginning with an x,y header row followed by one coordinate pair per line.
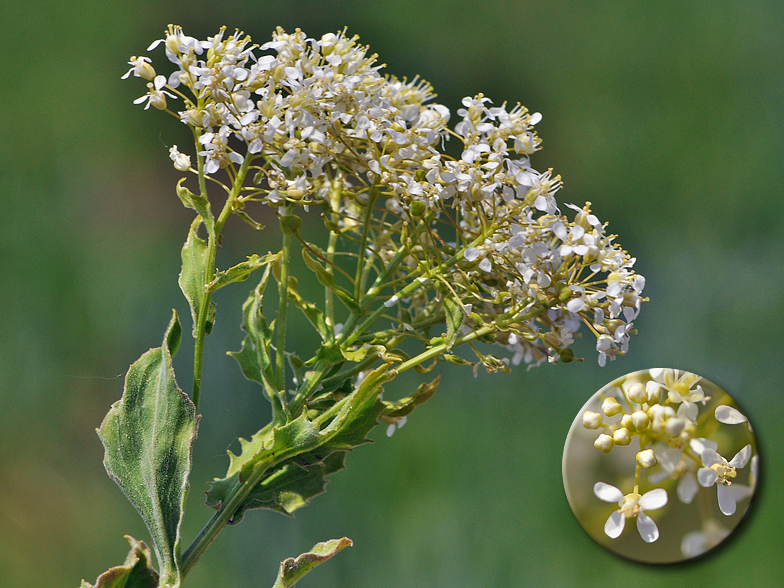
x,y
661,409
314,122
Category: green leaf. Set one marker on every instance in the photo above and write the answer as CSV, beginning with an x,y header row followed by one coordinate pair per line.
x,y
241,271
196,202
454,320
310,310
292,570
297,458
193,276
355,355
137,572
254,356
405,406
244,216
324,277
290,224
148,437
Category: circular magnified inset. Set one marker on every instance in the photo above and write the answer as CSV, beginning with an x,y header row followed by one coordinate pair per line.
x,y
660,466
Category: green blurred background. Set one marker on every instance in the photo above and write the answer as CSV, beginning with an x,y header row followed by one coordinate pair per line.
x,y
668,116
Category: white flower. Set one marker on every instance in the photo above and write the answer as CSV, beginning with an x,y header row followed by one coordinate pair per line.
x,y
719,471
182,162
632,505
141,68
155,96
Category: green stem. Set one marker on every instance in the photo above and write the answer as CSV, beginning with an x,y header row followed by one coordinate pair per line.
x,y
213,237
503,321
221,518
280,325
335,192
363,245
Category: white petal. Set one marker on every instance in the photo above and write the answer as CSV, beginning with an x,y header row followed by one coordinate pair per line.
x,y
687,489
647,528
653,499
701,444
688,411
614,525
607,492
726,500
710,457
729,416
707,477
741,458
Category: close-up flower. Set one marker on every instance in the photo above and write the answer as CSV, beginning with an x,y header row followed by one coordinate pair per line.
x,y
718,471
632,505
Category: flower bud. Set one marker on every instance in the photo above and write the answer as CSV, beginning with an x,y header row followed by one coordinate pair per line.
x,y
653,391
646,458
622,437
640,420
611,407
604,443
417,208
626,423
637,393
592,420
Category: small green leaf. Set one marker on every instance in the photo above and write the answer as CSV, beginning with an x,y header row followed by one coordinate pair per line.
x,y
254,357
196,202
355,355
310,310
244,216
148,437
405,406
292,570
241,271
193,276
290,224
137,572
324,277
454,320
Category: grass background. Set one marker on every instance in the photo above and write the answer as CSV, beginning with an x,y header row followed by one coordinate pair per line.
x,y
668,116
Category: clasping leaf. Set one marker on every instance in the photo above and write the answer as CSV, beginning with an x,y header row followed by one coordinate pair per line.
x,y
148,437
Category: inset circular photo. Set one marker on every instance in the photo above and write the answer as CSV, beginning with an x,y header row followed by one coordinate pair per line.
x,y
660,466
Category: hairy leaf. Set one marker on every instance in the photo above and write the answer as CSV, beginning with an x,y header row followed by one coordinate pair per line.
x,y
292,570
193,276
137,572
148,437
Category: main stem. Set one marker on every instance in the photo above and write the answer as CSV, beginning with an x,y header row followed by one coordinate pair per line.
x,y
213,237
280,326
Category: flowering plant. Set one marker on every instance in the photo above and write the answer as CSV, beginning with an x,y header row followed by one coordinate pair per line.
x,y
422,251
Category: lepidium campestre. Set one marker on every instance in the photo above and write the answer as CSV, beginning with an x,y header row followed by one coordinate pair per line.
x,y
419,251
